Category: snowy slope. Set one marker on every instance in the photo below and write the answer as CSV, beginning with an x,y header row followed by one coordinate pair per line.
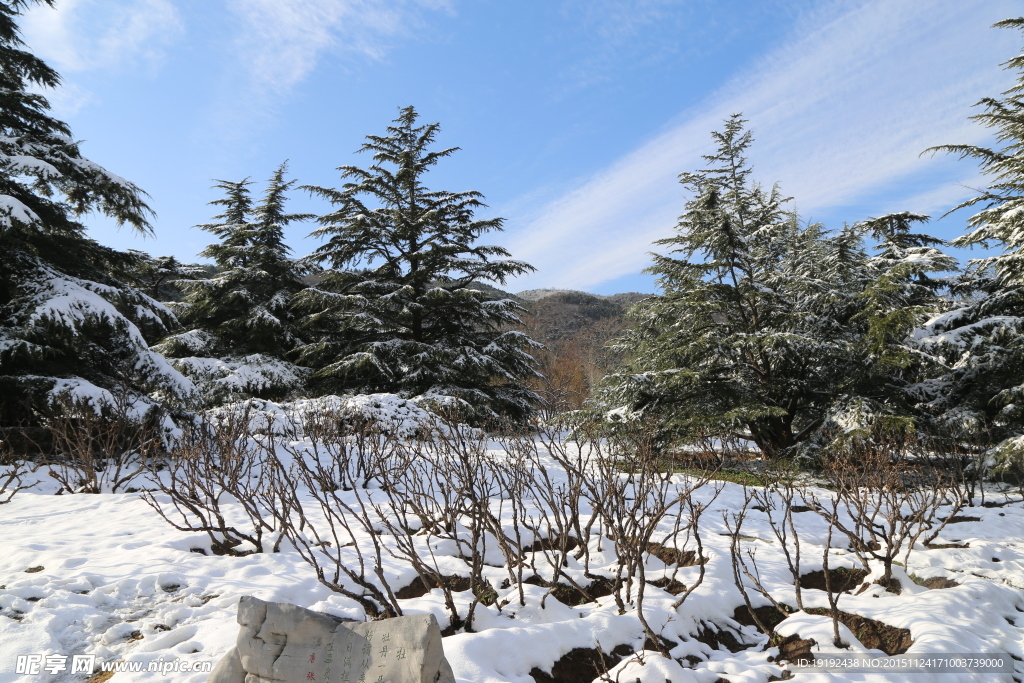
x,y
118,582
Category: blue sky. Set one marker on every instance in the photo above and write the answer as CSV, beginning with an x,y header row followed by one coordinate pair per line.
x,y
574,116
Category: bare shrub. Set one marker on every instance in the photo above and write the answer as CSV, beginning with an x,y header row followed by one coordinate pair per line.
x,y
889,488
440,493
332,533
13,470
743,561
99,446
776,499
417,513
211,467
354,441
955,469
555,515
830,588
634,492
515,477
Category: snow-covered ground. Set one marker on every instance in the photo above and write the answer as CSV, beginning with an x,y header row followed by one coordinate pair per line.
x,y
103,574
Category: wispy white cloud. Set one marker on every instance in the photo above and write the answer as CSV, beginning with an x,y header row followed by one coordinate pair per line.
x,y
280,42
80,35
839,112
936,201
68,99
277,44
613,38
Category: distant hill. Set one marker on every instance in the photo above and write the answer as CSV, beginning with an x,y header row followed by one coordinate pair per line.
x,y
575,328
538,294
627,298
561,313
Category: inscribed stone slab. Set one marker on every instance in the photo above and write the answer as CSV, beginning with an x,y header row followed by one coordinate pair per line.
x,y
282,643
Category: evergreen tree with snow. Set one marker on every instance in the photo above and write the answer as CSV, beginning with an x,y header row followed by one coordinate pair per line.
x,y
239,325
160,277
244,308
762,330
981,342
68,323
398,308
903,294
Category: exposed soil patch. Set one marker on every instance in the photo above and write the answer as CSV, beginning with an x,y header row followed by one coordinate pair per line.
x,y
221,550
452,628
100,677
417,589
794,508
581,665
873,634
718,638
956,519
843,579
767,614
664,643
893,586
670,586
421,585
552,544
568,595
943,546
670,556
936,582
795,650
33,570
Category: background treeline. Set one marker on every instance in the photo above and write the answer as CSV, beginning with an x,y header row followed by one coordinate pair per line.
x,y
769,330
398,299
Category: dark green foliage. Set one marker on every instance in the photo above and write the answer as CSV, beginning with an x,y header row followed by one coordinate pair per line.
x,y
397,309
244,308
902,295
45,182
66,318
982,342
767,329
160,277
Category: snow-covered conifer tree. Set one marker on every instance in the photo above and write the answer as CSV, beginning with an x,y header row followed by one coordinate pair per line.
x,y
761,332
901,296
982,341
398,310
160,277
67,322
239,326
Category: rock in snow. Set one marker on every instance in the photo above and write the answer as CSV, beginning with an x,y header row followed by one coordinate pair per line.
x,y
282,642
